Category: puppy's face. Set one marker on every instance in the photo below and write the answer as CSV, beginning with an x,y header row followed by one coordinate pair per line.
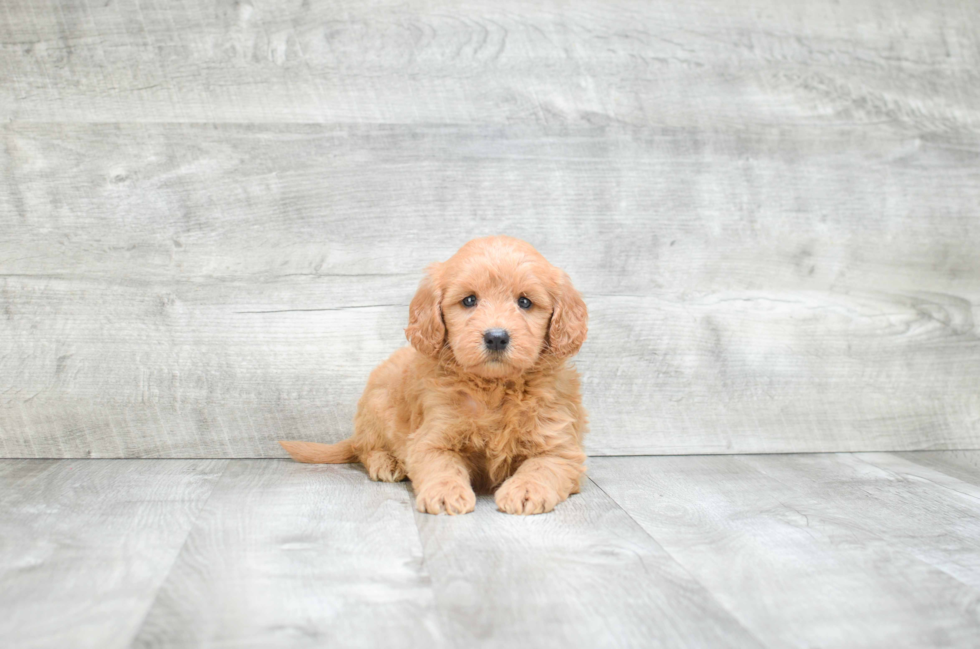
x,y
498,305
496,314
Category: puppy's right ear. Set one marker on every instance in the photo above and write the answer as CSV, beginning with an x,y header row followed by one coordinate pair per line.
x,y
569,320
426,329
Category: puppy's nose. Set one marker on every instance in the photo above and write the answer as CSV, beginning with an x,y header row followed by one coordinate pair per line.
x,y
496,339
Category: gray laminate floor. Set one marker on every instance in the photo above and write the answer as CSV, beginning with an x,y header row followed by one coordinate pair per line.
x,y
824,550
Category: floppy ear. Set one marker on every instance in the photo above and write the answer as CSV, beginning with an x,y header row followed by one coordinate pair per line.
x,y
569,320
426,329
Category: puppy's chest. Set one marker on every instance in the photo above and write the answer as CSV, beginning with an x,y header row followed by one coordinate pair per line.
x,y
492,417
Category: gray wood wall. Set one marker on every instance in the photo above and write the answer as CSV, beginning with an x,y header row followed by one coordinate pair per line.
x,y
213,214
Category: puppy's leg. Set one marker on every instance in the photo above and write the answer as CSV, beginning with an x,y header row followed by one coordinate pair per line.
x,y
383,466
374,428
541,482
441,481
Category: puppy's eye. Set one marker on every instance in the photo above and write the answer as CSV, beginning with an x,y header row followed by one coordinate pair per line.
x,y
523,302
469,300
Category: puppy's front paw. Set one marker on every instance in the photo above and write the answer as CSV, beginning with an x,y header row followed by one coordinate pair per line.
x,y
524,495
445,497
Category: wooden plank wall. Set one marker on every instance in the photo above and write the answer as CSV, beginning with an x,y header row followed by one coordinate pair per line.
x,y
213,214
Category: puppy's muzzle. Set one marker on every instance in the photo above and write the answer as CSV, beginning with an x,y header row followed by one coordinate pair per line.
x,y
496,340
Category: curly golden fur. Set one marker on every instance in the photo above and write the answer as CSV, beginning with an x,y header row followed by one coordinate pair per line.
x,y
451,414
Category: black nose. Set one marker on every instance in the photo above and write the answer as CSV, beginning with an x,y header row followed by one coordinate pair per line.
x,y
496,339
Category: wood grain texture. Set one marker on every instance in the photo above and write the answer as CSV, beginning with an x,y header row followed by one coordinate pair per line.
x,y
962,465
85,545
755,63
954,470
290,555
213,214
804,552
146,317
583,576
835,550
930,515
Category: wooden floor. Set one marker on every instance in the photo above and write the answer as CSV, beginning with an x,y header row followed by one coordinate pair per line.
x,y
825,550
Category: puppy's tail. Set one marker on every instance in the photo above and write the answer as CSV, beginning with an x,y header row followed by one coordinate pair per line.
x,y
313,453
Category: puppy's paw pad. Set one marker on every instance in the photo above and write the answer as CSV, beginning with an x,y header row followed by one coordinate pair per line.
x,y
446,498
524,496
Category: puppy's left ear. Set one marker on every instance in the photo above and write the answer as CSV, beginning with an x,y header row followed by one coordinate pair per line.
x,y
569,320
426,329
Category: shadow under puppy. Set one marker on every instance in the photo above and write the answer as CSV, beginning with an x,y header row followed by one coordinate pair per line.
x,y
483,397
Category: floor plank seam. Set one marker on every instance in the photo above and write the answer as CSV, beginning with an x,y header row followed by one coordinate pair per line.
x,y
907,552
180,550
938,485
441,615
680,565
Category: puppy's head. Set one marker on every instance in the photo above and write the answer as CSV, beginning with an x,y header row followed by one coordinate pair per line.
x,y
498,306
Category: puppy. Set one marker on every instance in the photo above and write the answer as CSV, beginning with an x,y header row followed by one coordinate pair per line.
x,y
483,398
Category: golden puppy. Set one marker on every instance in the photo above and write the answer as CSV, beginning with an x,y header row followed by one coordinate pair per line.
x,y
483,397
